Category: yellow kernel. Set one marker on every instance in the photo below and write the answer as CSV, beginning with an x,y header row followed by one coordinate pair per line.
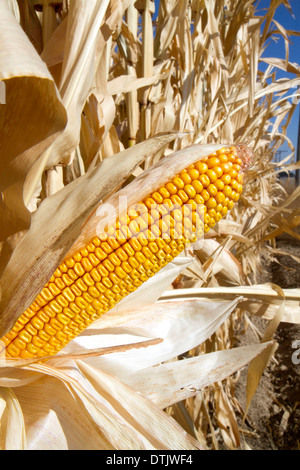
x,y
176,200
60,336
185,177
194,174
205,195
90,247
43,316
212,162
183,196
235,196
81,285
95,275
114,259
157,197
37,323
31,330
12,350
201,167
79,270
113,242
163,210
96,241
106,247
190,190
237,167
163,226
97,305
24,354
50,330
211,203
81,302
93,259
38,342
224,211
141,223
46,293
164,192
226,167
219,185
120,271
43,335
54,289
75,290
223,158
199,199
177,183
114,278
212,189
67,279
193,204
226,179
88,280
219,172
32,349
177,215
212,175
149,202
77,257
63,319
227,191
206,219
19,343
84,252
212,213
197,185
233,174
204,180
135,244
220,197
234,184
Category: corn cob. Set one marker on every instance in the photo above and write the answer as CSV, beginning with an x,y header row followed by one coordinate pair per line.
x,y
115,263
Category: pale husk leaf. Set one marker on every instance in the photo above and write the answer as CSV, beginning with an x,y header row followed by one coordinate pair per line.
x,y
181,325
172,382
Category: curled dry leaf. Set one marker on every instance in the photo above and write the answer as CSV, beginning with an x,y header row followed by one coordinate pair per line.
x,y
31,95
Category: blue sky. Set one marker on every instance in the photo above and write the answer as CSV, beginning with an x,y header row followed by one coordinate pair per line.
x,y
276,48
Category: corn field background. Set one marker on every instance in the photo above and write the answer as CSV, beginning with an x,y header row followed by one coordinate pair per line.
x,y
97,92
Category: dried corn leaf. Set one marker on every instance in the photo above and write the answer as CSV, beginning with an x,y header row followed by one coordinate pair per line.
x,y
32,96
181,325
172,382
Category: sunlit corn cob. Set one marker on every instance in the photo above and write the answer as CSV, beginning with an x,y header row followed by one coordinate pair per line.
x,y
116,263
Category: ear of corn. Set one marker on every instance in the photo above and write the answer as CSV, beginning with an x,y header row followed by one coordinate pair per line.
x,y
115,263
